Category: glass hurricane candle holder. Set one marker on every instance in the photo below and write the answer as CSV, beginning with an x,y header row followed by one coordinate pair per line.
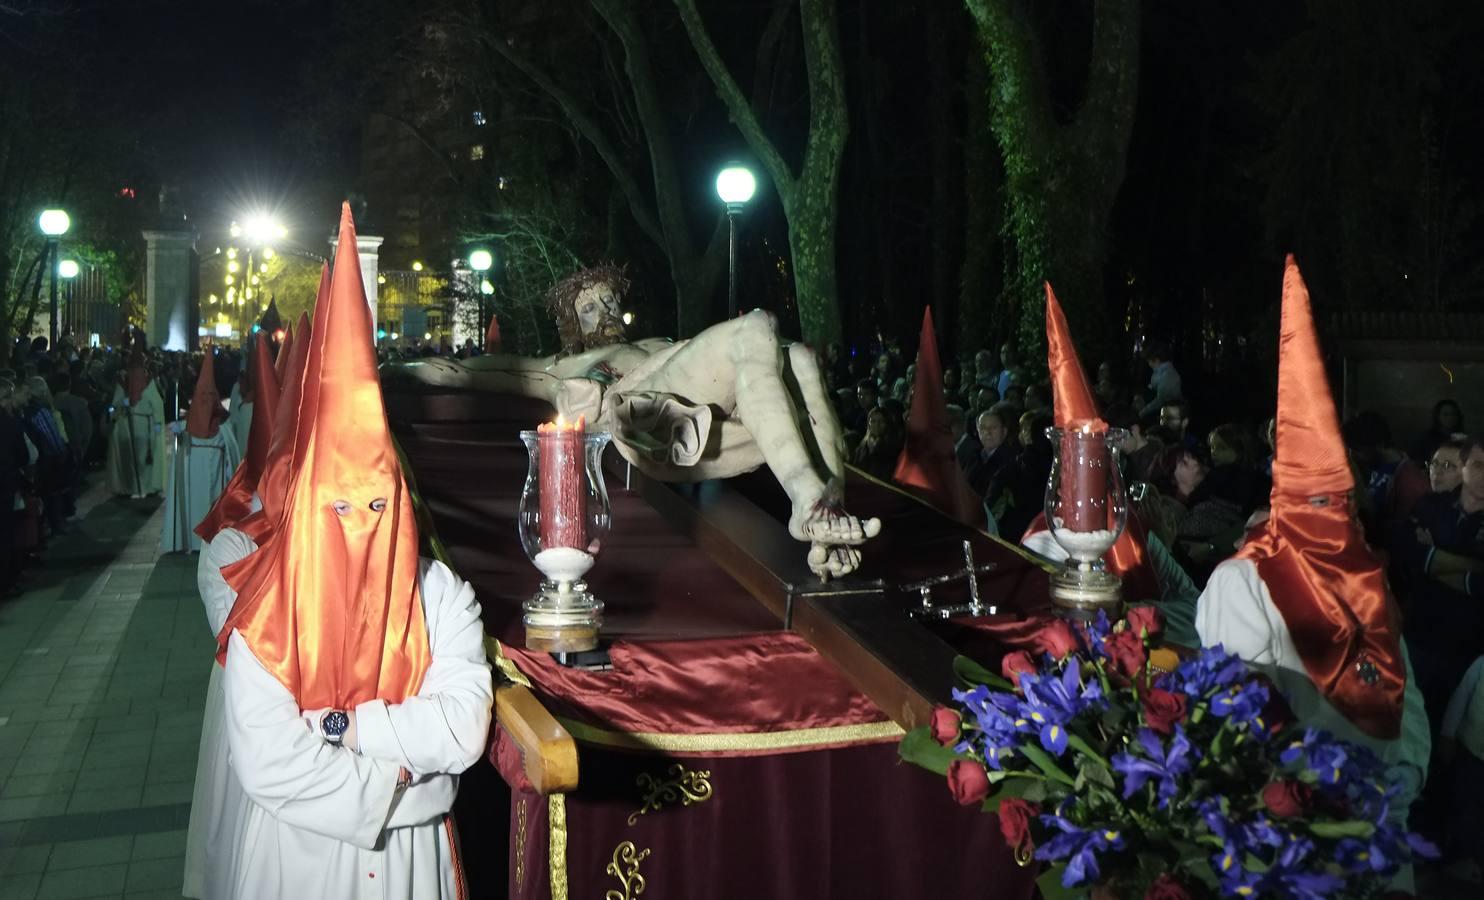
x,y
1086,510
564,517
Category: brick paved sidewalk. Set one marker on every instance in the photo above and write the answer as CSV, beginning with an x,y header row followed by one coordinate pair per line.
x,y
103,668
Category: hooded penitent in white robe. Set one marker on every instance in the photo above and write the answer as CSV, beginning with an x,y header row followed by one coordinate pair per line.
x,y
241,420
136,446
199,471
302,818
210,812
1236,611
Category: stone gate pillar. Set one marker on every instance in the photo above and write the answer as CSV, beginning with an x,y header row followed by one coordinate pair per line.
x,y
368,246
169,319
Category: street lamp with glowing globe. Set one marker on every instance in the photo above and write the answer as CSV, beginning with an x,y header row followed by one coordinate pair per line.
x,y
735,185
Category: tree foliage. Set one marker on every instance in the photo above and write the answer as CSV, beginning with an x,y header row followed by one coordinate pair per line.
x,y
1064,150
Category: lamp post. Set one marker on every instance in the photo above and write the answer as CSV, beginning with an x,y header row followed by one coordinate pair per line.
x,y
53,223
68,269
735,186
480,261
244,278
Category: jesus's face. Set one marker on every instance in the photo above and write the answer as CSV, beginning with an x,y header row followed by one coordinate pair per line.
x,y
599,316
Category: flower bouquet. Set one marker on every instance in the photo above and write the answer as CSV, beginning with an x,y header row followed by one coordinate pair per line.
x,y
1162,784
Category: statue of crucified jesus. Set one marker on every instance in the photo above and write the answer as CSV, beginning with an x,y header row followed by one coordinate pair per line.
x,y
722,403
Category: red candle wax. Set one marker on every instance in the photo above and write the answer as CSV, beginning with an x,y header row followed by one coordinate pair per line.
x,y
563,497
1084,480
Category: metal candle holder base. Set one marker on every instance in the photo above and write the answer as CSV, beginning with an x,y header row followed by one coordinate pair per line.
x,y
1078,593
563,617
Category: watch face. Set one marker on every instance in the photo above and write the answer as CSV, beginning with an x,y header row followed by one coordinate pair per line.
x,y
335,723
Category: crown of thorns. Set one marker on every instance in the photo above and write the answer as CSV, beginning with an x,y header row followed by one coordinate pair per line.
x,y
563,294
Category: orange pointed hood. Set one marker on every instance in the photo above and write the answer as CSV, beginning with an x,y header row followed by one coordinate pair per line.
x,y
235,503
206,401
1073,405
1323,578
927,461
330,601
492,336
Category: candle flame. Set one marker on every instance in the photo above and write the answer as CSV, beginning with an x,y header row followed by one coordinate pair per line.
x,y
561,424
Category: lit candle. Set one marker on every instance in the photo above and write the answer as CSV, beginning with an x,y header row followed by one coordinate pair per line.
x,y
563,497
1084,477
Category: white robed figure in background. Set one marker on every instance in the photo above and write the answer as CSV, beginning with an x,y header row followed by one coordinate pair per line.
x,y
136,446
214,808
356,688
205,457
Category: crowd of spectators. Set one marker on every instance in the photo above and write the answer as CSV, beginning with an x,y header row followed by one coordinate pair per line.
x,y
1200,476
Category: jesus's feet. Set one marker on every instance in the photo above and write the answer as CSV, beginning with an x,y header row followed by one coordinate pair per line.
x,y
833,561
825,521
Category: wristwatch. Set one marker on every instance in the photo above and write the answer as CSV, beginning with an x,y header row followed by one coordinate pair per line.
x,y
333,725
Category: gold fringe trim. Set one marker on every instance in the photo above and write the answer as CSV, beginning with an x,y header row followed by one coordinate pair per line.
x,y
556,815
496,655
718,742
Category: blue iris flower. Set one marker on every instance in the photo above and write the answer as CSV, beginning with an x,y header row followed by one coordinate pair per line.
x,y
1303,885
1080,847
1052,701
1236,881
1158,764
1212,668
1242,703
1357,856
1260,833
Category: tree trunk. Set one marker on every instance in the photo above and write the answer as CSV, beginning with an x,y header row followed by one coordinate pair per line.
x,y
1061,179
809,198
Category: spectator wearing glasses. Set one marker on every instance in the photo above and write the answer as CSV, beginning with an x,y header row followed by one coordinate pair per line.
x,y
1445,468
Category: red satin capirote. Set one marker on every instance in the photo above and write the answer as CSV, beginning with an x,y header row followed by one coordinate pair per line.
x,y
1073,404
927,460
286,346
492,340
235,503
330,602
137,379
1325,581
279,465
206,401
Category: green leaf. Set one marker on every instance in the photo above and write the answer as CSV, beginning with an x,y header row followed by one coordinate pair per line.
x,y
1051,887
1046,763
1200,869
1355,828
1093,771
920,749
1031,790
1083,747
971,672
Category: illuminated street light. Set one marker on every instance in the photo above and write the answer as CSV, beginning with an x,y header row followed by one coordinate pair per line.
x,y
628,318
481,260
486,288
417,266
53,223
67,268
735,185
267,252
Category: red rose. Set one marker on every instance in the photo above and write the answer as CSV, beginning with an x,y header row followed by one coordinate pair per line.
x,y
946,724
1127,650
1146,618
1015,663
1058,639
1165,887
1016,816
967,781
1287,798
1163,710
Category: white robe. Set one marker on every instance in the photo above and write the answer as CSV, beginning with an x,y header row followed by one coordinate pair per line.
x,y
241,422
315,820
199,471
136,445
1237,611
212,807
